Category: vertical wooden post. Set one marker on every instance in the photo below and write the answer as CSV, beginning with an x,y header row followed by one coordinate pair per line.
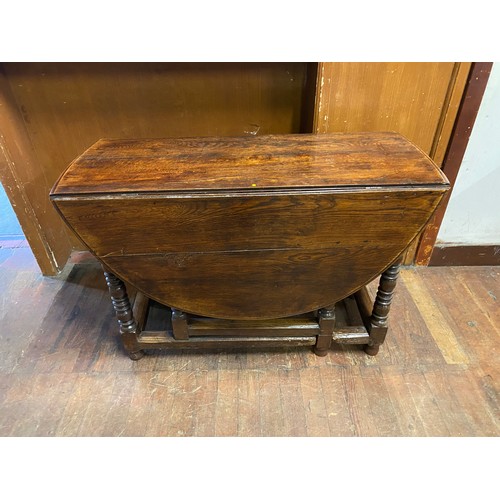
x,y
180,329
466,117
28,187
129,329
380,313
326,325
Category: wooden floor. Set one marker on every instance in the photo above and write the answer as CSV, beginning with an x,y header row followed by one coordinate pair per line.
x,y
63,372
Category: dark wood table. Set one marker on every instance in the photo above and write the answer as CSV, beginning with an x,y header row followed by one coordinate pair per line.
x,y
251,241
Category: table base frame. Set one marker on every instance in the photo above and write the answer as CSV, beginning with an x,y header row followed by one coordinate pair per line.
x,y
361,322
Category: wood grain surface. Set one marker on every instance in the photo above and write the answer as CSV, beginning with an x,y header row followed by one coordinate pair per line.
x,y
184,222
124,225
417,99
51,112
255,256
27,187
63,372
469,108
272,161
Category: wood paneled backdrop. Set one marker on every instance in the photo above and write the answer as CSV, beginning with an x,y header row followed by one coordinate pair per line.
x,y
51,112
56,111
418,100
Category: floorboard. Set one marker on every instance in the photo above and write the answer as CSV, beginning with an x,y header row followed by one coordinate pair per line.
x,y
63,371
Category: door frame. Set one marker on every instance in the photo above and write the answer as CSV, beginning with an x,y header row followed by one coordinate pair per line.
x,y
464,123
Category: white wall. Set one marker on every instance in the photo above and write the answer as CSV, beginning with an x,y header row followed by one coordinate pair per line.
x,y
473,213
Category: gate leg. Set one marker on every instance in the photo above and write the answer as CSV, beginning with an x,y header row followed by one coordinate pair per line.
x,y
381,307
129,329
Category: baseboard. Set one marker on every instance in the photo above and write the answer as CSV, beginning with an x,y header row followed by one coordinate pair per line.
x,y
482,255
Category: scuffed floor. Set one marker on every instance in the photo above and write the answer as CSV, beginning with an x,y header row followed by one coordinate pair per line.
x,y
63,371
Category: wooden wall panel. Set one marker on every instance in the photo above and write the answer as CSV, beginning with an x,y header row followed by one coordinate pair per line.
x,y
65,107
56,110
408,98
27,187
418,100
449,113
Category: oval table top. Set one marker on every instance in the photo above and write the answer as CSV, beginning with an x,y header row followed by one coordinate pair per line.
x,y
250,228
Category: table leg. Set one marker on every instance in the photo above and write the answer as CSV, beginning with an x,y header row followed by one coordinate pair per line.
x,y
380,313
180,329
129,329
326,326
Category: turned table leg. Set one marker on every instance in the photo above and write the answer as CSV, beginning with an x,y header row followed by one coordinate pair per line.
x,y
326,326
380,313
129,329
